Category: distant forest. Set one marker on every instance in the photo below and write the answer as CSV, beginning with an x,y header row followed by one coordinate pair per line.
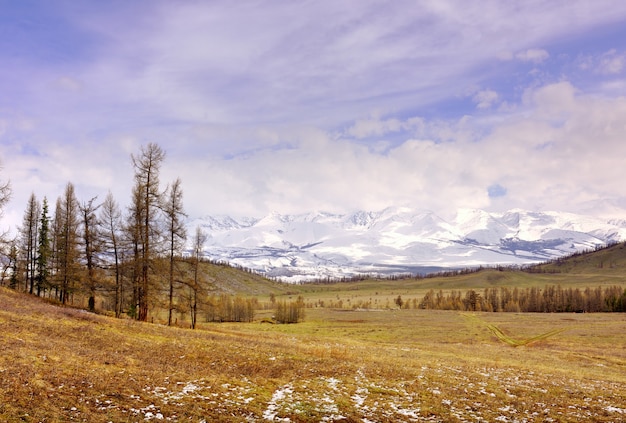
x,y
550,299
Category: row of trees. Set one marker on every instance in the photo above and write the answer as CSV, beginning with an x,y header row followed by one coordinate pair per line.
x,y
225,308
550,299
87,249
289,311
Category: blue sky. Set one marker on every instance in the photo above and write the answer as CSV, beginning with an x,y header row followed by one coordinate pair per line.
x,y
319,105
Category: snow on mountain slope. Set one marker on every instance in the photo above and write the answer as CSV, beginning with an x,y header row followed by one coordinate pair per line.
x,y
398,240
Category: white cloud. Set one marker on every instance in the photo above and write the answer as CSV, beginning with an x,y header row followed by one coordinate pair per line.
x,y
554,100
533,55
243,96
612,62
485,99
561,150
543,163
374,126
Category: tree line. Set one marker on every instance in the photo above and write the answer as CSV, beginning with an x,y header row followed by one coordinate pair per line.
x,y
550,299
87,249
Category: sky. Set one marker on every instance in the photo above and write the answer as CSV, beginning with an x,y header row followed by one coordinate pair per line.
x,y
336,106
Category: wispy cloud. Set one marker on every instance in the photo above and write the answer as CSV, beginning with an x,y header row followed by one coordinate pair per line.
x,y
485,99
533,55
612,62
324,105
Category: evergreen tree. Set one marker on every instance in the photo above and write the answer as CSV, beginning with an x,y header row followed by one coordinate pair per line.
x,y
13,264
43,250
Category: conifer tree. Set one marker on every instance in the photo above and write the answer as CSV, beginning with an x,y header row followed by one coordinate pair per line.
x,y
91,247
110,224
198,245
5,196
67,243
176,234
28,237
43,249
12,266
147,198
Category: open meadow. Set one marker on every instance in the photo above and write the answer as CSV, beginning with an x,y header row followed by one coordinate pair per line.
x,y
64,364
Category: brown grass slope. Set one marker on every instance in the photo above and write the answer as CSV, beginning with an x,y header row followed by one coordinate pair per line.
x,y
604,267
63,364
607,261
222,278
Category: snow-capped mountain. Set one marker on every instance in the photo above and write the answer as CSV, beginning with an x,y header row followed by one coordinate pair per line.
x,y
398,240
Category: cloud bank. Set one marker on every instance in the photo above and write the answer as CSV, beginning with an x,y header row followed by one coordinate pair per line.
x,y
320,106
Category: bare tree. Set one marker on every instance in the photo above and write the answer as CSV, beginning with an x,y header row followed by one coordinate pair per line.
x,y
28,237
91,245
8,247
67,243
133,232
56,230
110,224
198,245
176,233
147,199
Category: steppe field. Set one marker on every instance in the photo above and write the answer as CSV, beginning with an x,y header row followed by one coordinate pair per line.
x,y
349,365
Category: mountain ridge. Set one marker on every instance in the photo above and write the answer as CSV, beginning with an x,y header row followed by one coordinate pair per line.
x,y
319,245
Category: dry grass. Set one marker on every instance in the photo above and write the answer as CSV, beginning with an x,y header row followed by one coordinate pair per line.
x,y
60,364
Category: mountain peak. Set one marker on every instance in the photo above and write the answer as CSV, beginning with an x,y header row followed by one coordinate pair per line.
x,y
399,240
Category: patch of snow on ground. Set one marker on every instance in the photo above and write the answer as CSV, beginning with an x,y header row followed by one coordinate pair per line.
x,y
271,412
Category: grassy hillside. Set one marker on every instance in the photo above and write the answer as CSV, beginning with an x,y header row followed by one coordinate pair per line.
x,y
230,280
606,267
606,262
599,268
63,364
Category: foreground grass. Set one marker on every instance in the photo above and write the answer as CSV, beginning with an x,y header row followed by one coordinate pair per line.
x,y
60,364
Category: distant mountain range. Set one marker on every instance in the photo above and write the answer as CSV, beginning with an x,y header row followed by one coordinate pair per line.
x,y
398,240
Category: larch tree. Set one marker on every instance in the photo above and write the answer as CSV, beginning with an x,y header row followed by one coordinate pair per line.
x,y
28,238
5,196
91,245
132,237
110,225
147,166
7,246
68,243
198,246
56,234
176,233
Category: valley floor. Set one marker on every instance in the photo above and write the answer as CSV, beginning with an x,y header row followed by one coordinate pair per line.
x,y
61,364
